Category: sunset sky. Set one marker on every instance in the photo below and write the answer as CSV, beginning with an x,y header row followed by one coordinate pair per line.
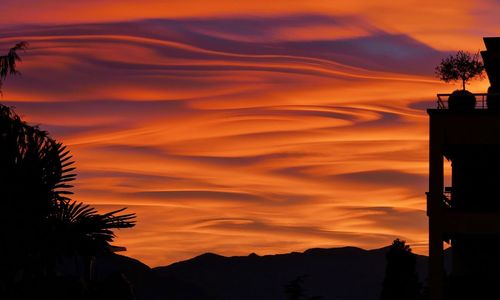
x,y
244,126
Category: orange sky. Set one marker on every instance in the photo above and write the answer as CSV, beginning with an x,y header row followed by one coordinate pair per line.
x,y
244,126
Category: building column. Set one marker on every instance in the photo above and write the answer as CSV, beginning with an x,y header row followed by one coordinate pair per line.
x,y
436,261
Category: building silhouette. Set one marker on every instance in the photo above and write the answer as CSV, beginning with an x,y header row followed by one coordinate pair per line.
x,y
466,214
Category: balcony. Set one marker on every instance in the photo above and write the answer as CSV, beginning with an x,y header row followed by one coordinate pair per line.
x,y
481,100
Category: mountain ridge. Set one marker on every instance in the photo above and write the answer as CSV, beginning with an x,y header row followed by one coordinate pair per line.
x,y
315,250
349,273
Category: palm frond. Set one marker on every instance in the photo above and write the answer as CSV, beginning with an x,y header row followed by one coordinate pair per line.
x,y
8,62
79,228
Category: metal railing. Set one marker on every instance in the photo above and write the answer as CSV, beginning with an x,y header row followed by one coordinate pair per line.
x,y
481,100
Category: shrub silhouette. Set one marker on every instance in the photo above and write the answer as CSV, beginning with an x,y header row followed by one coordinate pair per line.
x,y
401,278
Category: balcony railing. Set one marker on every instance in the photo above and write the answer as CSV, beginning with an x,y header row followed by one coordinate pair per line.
x,y
442,100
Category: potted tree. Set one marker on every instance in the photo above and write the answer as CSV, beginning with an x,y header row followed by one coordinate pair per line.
x,y
462,66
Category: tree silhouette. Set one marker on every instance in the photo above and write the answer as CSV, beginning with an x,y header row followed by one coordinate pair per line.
x,y
295,291
461,66
40,225
401,278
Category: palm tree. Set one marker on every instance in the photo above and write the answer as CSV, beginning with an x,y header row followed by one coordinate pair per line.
x,y
40,224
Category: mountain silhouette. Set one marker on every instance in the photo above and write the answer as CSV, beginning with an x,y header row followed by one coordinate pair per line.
x,y
346,273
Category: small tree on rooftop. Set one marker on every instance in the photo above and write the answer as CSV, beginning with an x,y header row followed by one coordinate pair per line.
x,y
462,66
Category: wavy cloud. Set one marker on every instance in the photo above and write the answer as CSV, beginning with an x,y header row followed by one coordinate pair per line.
x,y
238,134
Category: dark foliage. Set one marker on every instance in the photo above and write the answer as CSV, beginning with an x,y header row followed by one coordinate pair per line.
x,y
401,278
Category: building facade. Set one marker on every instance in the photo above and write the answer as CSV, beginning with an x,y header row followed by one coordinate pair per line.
x,y
466,214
